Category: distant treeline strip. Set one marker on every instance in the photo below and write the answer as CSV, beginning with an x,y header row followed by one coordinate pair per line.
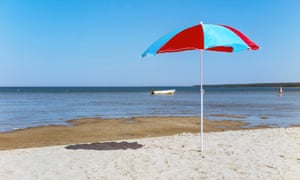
x,y
285,84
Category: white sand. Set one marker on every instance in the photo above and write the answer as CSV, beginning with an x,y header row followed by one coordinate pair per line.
x,y
248,154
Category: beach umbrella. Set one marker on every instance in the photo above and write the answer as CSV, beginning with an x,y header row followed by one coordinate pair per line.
x,y
209,37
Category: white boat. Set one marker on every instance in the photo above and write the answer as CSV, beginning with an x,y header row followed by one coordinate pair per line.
x,y
163,92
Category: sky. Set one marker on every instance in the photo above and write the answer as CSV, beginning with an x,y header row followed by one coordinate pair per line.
x,y
99,42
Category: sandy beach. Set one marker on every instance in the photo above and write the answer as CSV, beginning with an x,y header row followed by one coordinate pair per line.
x,y
244,154
133,151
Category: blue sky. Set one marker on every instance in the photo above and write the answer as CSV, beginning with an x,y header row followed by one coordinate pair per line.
x,y
99,43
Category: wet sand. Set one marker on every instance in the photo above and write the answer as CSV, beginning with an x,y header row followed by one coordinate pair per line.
x,y
96,129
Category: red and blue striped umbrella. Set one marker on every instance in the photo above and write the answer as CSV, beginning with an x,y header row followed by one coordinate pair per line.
x,y
202,37
209,37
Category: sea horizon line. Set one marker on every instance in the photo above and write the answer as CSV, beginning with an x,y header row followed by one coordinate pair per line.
x,y
271,84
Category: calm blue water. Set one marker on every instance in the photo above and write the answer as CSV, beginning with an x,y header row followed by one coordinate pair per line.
x,y
29,107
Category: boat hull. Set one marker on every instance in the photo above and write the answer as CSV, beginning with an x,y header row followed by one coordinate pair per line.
x,y
163,92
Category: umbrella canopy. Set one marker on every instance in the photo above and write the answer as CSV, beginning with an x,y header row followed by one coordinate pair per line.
x,y
210,37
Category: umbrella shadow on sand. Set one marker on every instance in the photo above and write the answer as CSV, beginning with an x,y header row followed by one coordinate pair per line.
x,y
105,146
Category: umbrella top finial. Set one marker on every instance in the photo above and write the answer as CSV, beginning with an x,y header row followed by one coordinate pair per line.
x,y
201,22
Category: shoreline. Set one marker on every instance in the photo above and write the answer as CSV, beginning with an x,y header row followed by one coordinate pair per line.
x,y
87,130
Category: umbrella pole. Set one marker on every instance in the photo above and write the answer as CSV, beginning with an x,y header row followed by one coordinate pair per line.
x,y
201,101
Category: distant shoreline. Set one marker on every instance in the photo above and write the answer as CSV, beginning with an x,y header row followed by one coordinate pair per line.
x,y
285,84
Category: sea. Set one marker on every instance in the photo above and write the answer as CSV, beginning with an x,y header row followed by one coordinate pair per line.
x,y
23,107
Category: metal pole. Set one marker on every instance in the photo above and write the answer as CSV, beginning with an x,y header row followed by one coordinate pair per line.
x,y
201,101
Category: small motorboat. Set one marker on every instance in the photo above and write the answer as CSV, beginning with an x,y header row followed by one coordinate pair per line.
x,y
163,92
